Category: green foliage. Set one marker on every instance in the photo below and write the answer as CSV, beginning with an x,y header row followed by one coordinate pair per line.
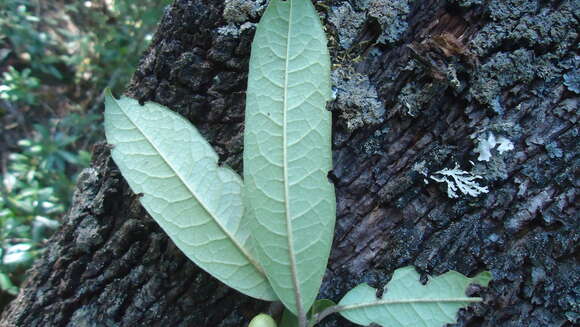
x,y
36,189
289,205
407,303
19,26
19,87
161,155
110,44
84,42
287,154
74,48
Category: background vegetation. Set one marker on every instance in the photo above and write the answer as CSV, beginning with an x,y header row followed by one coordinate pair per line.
x,y
56,57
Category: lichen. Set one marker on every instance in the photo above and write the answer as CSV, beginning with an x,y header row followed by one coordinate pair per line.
x,y
392,16
486,145
502,70
553,150
414,96
347,23
357,100
239,11
348,19
459,180
511,9
572,78
467,3
519,22
375,143
228,30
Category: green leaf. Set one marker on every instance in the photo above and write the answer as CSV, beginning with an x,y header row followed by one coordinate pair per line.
x,y
6,284
287,152
321,305
198,204
290,320
407,302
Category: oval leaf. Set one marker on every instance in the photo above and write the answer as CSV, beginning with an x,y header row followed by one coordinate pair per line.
x,y
407,302
198,204
287,152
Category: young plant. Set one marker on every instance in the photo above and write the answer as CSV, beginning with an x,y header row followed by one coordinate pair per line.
x,y
268,236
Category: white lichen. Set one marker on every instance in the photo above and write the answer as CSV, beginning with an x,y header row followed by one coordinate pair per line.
x,y
228,30
487,144
459,180
504,145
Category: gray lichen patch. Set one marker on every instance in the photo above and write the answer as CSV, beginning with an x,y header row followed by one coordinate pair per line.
x,y
347,22
240,16
413,98
572,77
467,3
520,22
239,11
511,9
392,16
501,71
348,18
357,101
493,82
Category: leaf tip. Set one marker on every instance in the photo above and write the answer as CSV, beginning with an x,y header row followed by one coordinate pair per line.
x,y
483,278
108,93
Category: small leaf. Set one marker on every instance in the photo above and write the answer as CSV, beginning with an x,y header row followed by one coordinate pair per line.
x,y
198,204
6,284
407,303
287,151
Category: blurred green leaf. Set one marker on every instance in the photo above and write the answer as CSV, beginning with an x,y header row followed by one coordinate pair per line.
x,y
6,284
37,44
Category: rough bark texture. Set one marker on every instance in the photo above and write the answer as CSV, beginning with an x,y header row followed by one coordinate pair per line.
x,y
419,84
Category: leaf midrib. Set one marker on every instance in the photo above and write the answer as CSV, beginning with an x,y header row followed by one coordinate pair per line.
x,y
203,205
293,268
407,301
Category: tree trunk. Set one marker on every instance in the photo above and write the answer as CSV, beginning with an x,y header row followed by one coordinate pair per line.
x,y
420,86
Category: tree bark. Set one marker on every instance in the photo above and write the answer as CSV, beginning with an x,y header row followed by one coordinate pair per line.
x,y
420,85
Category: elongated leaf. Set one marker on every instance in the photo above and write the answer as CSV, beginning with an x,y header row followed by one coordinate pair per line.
x,y
287,152
407,303
198,204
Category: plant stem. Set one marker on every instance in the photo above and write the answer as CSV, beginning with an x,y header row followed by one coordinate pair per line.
x,y
325,313
302,321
